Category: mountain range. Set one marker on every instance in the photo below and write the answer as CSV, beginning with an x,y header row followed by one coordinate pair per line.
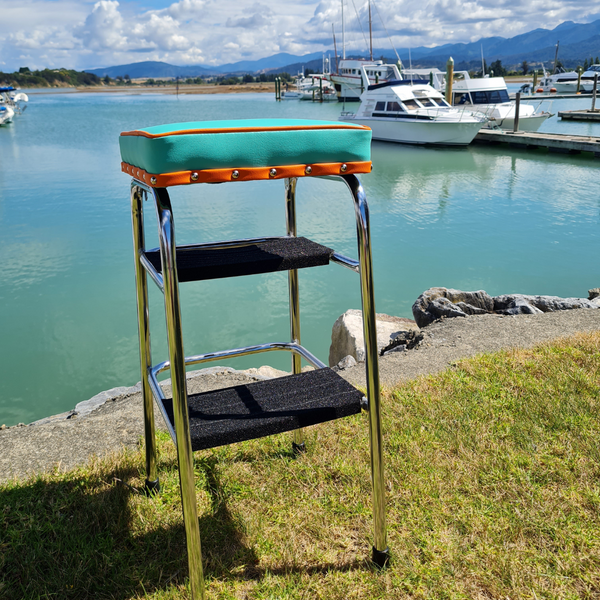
x,y
577,42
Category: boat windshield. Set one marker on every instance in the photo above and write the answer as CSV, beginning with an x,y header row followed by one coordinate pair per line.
x,y
411,104
490,97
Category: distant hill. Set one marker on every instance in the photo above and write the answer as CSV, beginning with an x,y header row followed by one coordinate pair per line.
x,y
577,42
153,69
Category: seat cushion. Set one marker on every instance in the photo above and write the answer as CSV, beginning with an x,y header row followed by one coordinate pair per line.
x,y
241,150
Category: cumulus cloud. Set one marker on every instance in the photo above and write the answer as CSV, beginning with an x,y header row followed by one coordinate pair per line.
x,y
103,27
71,33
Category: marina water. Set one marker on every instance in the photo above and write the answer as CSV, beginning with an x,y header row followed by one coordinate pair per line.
x,y
492,218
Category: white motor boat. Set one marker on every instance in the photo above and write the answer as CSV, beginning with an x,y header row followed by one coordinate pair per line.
x,y
311,88
562,83
6,114
402,111
10,96
348,80
489,96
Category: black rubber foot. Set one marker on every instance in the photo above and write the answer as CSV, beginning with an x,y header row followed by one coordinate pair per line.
x,y
381,558
298,448
151,487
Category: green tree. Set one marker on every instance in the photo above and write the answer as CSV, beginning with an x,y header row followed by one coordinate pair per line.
x,y
106,79
498,69
24,70
524,67
248,78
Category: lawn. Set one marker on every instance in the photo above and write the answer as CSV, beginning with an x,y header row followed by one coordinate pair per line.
x,y
493,491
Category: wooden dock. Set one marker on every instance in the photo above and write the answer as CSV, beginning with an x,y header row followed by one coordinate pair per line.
x,y
533,140
580,115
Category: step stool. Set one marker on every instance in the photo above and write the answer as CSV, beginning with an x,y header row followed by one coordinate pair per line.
x,y
235,151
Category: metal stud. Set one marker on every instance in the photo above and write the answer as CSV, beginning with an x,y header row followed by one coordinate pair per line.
x,y
272,172
235,174
194,176
344,168
138,173
308,170
153,180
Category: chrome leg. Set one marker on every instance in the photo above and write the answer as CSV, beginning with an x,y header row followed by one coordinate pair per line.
x,y
298,444
137,217
180,406
380,549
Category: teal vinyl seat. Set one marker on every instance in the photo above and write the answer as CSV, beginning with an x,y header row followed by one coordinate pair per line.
x,y
163,156
219,151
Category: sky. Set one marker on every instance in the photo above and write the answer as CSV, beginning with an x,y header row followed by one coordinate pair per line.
x,y
78,34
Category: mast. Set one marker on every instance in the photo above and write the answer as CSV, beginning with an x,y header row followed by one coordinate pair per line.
x,y
555,58
343,33
370,34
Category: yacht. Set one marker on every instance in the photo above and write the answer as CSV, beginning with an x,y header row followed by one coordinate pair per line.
x,y
399,110
348,80
489,96
563,83
311,88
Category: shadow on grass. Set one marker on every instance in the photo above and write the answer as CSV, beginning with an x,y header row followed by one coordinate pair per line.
x,y
92,535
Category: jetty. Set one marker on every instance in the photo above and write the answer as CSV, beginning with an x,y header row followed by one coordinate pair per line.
x,y
580,115
534,140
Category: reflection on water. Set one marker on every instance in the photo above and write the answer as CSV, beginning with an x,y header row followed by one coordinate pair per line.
x,y
471,218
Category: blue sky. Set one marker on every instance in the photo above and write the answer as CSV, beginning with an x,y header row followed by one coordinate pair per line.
x,y
79,34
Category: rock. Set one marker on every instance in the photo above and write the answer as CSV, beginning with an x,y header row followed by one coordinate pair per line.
x,y
436,303
345,363
347,334
515,304
405,340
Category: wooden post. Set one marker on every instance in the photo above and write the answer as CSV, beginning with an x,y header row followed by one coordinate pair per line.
x,y
517,109
321,89
594,92
449,77
578,80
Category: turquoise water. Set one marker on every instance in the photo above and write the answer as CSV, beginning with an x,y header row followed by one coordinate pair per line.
x,y
475,218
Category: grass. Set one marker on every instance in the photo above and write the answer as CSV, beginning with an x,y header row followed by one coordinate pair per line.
x,y
493,491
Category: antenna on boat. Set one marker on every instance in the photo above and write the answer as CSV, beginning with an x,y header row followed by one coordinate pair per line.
x,y
337,66
555,57
482,63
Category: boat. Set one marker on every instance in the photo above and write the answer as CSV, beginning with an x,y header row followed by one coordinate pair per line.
x,y
489,96
348,80
311,88
6,114
12,97
399,110
564,82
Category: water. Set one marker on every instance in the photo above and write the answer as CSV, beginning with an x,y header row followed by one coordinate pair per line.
x,y
473,218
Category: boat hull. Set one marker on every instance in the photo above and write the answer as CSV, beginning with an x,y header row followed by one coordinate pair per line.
x,y
421,133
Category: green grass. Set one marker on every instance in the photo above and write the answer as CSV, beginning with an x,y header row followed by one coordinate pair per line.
x,y
493,491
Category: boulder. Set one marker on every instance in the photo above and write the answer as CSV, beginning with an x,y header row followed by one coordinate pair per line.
x,y
347,337
437,303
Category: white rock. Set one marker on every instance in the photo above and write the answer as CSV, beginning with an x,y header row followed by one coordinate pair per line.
x,y
347,334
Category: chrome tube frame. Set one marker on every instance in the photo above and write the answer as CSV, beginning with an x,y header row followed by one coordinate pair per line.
x,y
361,209
137,219
154,371
166,235
294,294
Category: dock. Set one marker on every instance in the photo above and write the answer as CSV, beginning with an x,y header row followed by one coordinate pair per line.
x,y
580,115
533,140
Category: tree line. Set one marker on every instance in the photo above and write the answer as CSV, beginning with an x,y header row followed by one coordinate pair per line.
x,y
24,77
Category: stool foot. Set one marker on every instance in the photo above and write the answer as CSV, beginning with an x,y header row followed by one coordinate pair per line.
x,y
381,558
298,448
151,487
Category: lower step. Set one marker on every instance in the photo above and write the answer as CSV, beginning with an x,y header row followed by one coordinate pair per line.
x,y
265,408
280,254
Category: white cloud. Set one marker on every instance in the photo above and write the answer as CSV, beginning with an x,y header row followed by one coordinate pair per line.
x,y
76,34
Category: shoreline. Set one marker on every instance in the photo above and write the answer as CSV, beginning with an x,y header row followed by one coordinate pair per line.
x,y
117,422
184,90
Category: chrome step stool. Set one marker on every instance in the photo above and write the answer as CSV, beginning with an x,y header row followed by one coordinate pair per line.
x,y
234,151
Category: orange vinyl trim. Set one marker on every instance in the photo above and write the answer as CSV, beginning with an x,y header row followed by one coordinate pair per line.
x,y
242,130
163,180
